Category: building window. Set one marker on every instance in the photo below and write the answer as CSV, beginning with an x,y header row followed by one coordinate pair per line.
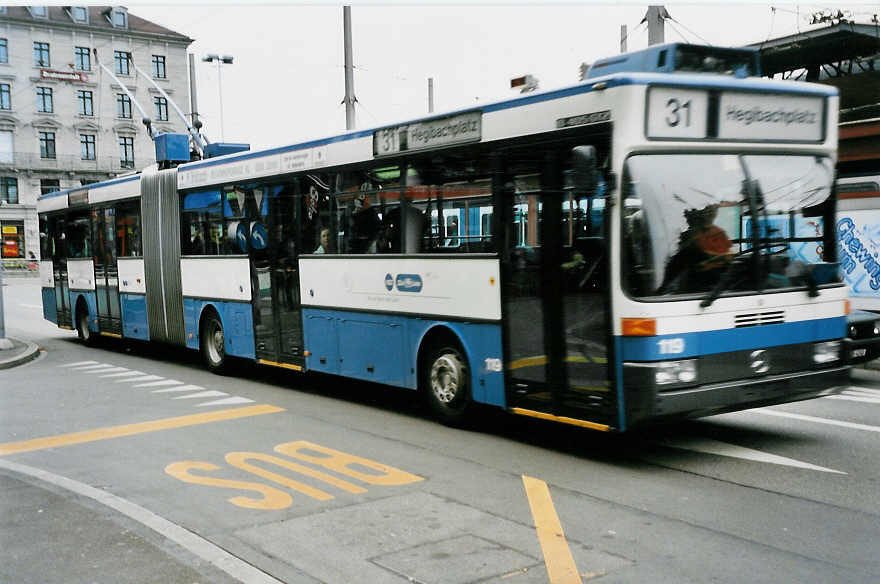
x,y
84,99
126,151
119,18
4,51
47,144
39,11
44,100
79,13
123,106
5,97
49,185
159,66
161,108
87,146
121,59
83,59
9,190
12,233
41,54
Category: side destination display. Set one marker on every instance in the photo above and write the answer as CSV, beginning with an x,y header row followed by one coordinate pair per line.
x,y
431,134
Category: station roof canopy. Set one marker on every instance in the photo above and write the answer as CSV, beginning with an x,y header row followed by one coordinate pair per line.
x,y
840,42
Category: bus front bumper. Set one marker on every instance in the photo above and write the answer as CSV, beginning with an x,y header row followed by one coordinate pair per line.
x,y
731,396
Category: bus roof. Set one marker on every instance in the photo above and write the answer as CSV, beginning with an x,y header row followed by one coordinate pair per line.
x,y
684,80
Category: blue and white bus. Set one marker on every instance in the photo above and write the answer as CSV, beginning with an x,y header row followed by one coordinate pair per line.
x,y
638,247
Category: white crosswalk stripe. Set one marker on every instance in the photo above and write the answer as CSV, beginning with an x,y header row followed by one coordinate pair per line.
x,y
161,383
156,383
201,394
856,398
78,363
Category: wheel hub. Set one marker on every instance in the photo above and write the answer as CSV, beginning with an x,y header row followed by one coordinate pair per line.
x,y
446,378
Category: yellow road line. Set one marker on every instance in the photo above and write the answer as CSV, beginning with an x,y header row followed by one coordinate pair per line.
x,y
557,555
138,428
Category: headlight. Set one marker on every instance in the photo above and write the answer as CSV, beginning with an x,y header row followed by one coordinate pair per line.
x,y
826,352
667,372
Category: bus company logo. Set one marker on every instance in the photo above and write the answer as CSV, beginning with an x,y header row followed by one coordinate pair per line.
x,y
408,283
389,282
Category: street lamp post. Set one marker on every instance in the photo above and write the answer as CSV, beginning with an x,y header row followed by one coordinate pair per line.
x,y
220,60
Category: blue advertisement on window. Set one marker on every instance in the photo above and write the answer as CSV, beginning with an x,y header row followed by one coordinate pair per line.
x,y
858,239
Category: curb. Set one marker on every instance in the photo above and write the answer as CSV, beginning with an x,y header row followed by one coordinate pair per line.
x,y
29,353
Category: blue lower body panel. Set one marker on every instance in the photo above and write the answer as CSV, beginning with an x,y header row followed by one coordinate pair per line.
x,y
50,309
134,316
385,349
237,319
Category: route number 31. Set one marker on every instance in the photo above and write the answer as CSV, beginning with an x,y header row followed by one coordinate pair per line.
x,y
677,112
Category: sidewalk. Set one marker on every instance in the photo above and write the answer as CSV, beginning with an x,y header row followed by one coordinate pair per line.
x,y
21,352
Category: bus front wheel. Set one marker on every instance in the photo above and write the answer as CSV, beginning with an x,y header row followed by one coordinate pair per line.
x,y
446,387
213,344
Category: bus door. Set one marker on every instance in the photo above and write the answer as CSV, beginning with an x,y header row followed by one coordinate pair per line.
x,y
106,271
274,260
556,296
59,268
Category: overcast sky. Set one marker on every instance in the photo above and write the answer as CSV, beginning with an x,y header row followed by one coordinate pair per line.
x,y
286,84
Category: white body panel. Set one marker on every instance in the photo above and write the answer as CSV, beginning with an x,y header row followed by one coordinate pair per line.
x,y
55,203
81,274
687,316
123,189
858,263
47,274
131,276
442,287
213,277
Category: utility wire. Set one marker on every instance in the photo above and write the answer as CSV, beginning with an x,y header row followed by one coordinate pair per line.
x,y
690,31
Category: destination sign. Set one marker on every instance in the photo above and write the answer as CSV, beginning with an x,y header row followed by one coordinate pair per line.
x,y
750,116
431,134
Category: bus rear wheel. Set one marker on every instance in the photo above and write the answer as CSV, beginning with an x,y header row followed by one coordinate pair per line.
x,y
213,344
445,380
82,327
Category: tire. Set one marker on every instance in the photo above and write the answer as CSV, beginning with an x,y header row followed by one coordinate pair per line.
x,y
212,344
83,331
446,385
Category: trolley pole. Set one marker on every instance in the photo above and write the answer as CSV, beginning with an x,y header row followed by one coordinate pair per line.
x,y
193,99
4,342
349,70
430,95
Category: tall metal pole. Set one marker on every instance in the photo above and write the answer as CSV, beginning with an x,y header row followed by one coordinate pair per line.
x,y
656,17
349,69
193,99
430,94
622,38
220,89
4,342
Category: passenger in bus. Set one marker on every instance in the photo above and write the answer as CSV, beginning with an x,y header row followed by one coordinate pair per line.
x,y
324,242
364,226
197,241
704,249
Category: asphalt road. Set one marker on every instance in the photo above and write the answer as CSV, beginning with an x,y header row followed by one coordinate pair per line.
x,y
129,462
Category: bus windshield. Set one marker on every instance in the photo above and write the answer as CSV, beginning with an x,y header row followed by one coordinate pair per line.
x,y
707,224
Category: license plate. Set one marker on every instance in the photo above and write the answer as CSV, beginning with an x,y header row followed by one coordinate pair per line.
x,y
859,352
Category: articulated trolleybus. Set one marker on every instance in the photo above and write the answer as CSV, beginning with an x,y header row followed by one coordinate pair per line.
x,y
638,247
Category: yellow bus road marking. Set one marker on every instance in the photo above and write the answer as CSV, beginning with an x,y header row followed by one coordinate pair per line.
x,y
137,428
557,556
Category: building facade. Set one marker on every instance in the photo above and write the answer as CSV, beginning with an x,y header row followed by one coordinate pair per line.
x,y
64,121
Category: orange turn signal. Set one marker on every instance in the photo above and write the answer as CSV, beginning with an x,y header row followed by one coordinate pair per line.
x,y
638,327
847,308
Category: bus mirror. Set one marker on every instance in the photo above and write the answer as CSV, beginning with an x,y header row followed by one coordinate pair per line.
x,y
584,165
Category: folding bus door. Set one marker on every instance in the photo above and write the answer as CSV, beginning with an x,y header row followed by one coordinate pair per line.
x,y
59,268
106,271
555,295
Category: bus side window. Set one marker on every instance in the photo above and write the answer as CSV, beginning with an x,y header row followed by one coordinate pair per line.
x,y
201,223
128,229
371,205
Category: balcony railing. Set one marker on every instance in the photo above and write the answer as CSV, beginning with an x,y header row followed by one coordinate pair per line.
x,y
68,163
